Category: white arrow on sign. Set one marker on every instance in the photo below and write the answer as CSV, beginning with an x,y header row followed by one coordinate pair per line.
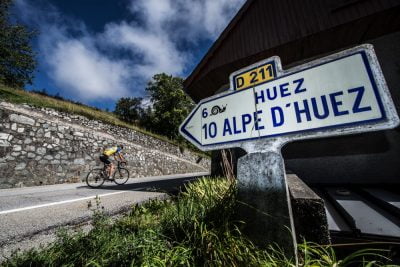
x,y
340,94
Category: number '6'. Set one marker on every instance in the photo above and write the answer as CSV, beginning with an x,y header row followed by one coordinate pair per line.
x,y
205,113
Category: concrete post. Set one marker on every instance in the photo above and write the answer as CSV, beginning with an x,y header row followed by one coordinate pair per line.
x,y
264,203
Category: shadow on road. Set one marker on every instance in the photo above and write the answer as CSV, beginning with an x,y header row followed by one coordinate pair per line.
x,y
171,186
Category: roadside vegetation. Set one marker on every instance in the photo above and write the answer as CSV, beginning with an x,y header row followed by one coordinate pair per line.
x,y
197,228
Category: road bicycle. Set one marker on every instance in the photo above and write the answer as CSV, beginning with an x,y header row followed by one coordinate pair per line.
x,y
97,176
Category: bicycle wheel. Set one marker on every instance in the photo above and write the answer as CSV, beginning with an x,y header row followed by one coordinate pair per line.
x,y
121,176
95,178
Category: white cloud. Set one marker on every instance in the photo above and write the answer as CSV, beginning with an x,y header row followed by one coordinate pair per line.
x,y
153,11
87,73
76,65
163,25
86,66
156,51
146,103
198,19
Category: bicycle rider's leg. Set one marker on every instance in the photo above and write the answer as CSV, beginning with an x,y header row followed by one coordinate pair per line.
x,y
108,167
112,169
105,159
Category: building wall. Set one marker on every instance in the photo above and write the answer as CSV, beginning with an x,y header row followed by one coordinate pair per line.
x,y
43,146
364,158
293,30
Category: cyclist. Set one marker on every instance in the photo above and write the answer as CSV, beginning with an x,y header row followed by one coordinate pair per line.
x,y
105,158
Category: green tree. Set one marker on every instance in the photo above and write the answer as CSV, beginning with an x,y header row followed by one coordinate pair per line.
x,y
170,104
129,109
146,120
17,59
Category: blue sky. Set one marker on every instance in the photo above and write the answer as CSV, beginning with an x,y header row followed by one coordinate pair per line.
x,y
96,51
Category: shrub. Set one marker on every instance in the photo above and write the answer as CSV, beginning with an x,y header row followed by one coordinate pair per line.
x,y
196,229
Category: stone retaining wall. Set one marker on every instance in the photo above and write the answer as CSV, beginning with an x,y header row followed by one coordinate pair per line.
x,y
43,146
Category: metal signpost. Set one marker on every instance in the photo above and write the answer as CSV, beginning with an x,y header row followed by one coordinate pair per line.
x,y
344,93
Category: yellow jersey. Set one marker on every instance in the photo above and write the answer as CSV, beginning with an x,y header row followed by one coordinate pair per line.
x,y
111,151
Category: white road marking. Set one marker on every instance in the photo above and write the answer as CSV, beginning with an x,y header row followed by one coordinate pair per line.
x,y
58,203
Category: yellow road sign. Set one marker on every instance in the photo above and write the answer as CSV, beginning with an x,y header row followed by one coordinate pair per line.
x,y
254,76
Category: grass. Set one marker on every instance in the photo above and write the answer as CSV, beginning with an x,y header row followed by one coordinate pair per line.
x,y
18,96
195,229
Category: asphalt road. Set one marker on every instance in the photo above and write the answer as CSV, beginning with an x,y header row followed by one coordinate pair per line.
x,y
25,212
